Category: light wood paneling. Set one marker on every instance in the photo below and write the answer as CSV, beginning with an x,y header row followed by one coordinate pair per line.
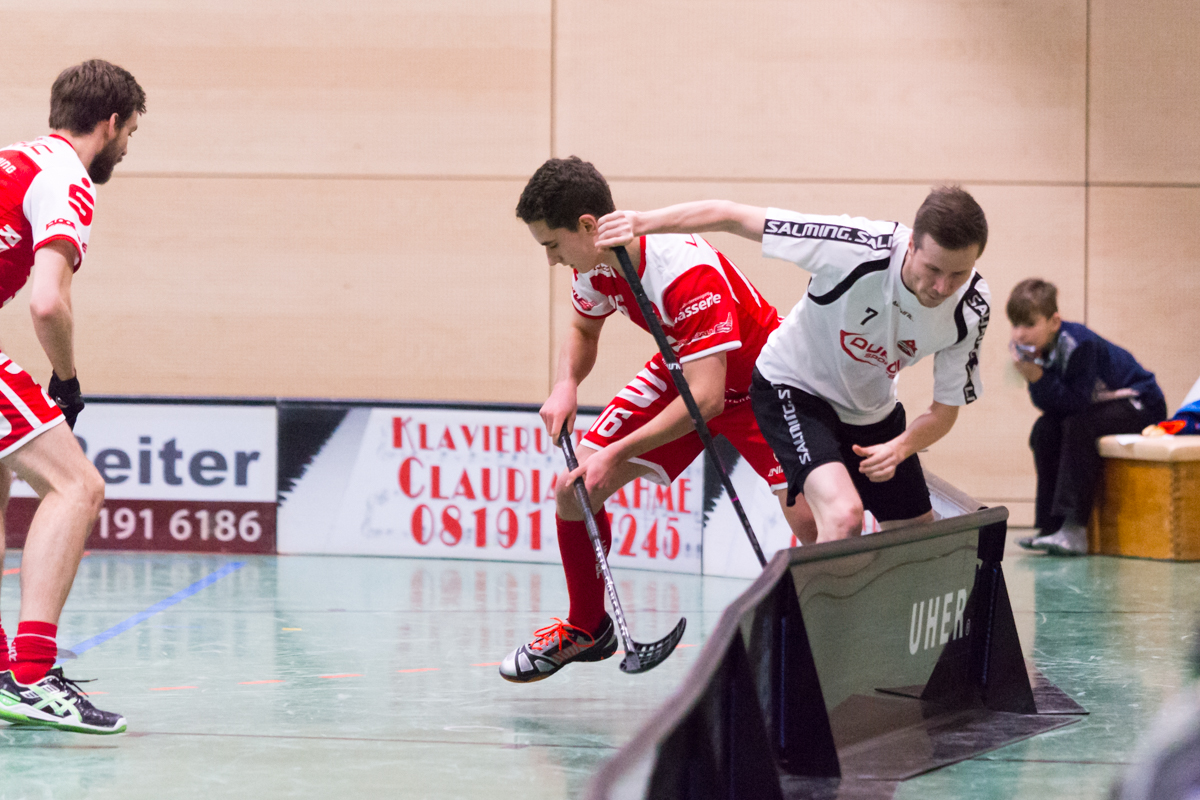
x,y
1144,280
318,87
1145,91
868,90
246,282
308,288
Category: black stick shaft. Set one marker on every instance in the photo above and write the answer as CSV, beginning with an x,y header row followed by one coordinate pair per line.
x,y
681,384
594,535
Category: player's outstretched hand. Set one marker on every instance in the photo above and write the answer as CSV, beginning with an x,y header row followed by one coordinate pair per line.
x,y
559,409
879,461
616,229
68,397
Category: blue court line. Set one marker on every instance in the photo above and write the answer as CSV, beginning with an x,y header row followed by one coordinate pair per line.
x,y
162,605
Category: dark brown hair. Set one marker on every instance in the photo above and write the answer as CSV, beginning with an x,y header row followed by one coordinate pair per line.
x,y
87,94
1030,299
952,217
563,190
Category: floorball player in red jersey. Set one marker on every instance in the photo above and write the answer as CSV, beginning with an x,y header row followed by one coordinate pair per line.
x,y
716,322
881,297
47,200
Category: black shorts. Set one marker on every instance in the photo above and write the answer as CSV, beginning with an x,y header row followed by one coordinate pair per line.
x,y
805,432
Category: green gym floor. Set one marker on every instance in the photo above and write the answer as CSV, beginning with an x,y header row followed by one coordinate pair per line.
x,y
366,677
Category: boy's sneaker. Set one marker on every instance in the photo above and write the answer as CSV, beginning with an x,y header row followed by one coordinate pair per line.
x,y
1037,542
555,646
54,702
1070,540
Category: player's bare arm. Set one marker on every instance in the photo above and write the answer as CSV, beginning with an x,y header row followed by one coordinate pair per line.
x,y
706,377
880,461
575,362
50,305
701,216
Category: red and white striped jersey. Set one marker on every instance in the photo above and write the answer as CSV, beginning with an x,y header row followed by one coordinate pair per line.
x,y
705,304
45,194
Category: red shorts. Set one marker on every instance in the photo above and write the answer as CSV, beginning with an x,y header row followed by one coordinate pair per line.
x,y
25,409
647,395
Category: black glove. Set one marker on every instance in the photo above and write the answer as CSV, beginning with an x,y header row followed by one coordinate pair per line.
x,y
68,397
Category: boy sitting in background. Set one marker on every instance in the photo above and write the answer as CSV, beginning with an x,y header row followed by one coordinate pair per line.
x,y
1086,387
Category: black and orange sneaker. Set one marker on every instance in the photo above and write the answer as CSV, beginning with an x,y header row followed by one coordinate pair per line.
x,y
555,646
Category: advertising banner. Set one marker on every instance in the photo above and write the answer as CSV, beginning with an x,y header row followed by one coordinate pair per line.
x,y
441,482
178,476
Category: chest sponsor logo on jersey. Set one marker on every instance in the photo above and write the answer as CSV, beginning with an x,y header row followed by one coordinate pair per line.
x,y
6,165
696,305
860,349
824,230
908,347
83,203
9,238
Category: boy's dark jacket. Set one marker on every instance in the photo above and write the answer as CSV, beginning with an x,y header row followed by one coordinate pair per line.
x,y
1082,368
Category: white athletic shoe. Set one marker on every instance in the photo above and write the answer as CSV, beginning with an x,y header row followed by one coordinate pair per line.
x,y
1037,542
555,646
1069,540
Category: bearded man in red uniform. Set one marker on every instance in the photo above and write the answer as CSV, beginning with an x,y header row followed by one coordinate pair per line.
x,y
47,202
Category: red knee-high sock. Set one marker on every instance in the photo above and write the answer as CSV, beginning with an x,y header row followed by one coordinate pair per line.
x,y
3,650
585,583
36,651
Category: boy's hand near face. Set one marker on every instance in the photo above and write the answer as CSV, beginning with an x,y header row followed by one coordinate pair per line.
x,y
1023,359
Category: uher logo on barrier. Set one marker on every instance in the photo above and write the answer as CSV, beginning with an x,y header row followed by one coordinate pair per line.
x,y
185,477
938,620
467,483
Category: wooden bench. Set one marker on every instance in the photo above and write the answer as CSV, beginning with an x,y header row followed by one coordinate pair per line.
x,y
1148,503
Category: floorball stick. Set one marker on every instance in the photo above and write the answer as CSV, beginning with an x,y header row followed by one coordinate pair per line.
x,y
676,370
638,657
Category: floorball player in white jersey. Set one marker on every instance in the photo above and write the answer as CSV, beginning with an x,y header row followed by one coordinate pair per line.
x,y
47,201
881,297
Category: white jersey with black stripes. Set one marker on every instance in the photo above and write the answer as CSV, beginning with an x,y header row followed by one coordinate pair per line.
x,y
859,325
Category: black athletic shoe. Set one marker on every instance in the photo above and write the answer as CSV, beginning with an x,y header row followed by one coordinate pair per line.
x,y
55,701
555,646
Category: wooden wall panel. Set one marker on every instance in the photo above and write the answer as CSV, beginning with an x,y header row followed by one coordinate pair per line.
x,y
1145,91
319,202
867,90
306,288
405,87
1144,280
